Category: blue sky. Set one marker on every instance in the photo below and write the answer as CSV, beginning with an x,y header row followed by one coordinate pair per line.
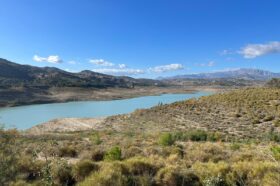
x,y
142,38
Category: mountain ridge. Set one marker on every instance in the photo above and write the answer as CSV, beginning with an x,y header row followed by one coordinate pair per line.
x,y
13,74
241,73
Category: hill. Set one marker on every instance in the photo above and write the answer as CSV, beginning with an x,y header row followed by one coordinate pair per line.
x,y
12,74
240,114
242,73
25,84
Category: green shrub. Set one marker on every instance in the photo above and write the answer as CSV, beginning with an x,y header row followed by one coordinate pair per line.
x,y
214,136
30,168
235,146
141,171
67,151
166,139
114,153
83,168
110,174
97,155
276,123
9,155
274,136
95,138
170,176
276,152
197,135
141,166
62,173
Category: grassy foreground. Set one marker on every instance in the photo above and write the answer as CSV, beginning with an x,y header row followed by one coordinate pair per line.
x,y
166,145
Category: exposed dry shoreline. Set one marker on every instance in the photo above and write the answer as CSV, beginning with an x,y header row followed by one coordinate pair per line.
x,y
27,96
67,125
83,124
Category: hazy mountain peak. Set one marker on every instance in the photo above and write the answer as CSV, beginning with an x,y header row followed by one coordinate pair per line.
x,y
240,73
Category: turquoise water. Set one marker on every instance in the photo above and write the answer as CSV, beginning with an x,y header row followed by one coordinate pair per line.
x,y
24,117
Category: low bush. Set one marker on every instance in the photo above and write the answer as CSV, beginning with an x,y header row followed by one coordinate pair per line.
x,y
67,151
61,173
83,169
197,135
110,174
276,123
170,176
97,155
276,152
166,139
114,153
274,136
95,138
9,155
141,166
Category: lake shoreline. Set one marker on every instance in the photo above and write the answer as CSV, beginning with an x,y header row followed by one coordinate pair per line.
x,y
15,117
73,94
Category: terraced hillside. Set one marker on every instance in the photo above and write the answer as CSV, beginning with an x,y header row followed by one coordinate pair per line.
x,y
248,113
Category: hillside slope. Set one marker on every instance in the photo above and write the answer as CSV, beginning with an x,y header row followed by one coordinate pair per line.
x,y
248,113
24,84
13,74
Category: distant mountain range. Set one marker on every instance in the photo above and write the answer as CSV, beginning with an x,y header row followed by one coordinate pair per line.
x,y
13,74
242,73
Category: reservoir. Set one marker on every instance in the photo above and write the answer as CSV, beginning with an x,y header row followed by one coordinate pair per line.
x,y
23,117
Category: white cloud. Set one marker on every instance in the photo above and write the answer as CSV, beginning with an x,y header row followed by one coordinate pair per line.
x,y
72,62
227,52
209,64
119,71
255,50
49,59
69,70
166,68
122,66
101,62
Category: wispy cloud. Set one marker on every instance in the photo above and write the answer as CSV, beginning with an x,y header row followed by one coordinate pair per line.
x,y
49,59
255,50
209,64
122,66
72,62
101,62
166,68
69,70
227,52
119,71
123,70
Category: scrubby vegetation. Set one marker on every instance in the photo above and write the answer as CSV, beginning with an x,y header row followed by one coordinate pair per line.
x,y
177,148
252,113
180,158
275,82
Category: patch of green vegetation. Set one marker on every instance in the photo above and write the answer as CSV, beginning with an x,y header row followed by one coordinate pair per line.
x,y
115,153
95,138
166,139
